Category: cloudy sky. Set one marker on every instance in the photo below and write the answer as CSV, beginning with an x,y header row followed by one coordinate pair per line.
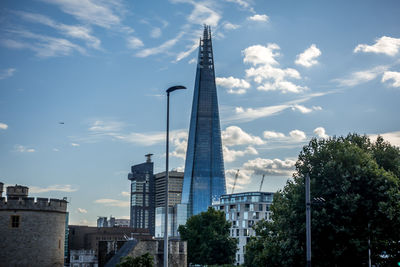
x,y
286,71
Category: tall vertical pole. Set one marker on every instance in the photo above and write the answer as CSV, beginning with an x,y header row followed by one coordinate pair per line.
x,y
308,220
166,191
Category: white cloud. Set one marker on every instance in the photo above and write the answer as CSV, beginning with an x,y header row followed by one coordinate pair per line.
x,y
59,188
244,178
297,135
258,17
106,126
259,166
230,155
308,57
56,149
80,210
258,54
83,222
23,149
250,114
125,194
392,137
235,85
179,141
294,136
273,167
100,13
359,77
273,135
304,109
384,45
265,71
74,31
159,49
45,46
204,14
155,33
7,73
320,132
392,75
234,135
192,61
3,126
75,144
134,42
187,52
112,202
230,26
146,139
242,3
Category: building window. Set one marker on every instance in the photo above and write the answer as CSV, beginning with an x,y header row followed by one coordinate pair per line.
x,y
15,221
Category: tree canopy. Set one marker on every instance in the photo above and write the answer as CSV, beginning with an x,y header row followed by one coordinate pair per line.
x,y
207,236
358,181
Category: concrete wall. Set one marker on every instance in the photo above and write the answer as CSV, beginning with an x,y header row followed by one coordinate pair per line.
x,y
38,241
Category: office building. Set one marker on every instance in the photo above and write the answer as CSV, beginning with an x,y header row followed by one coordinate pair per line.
x,y
175,183
204,179
244,210
112,222
142,195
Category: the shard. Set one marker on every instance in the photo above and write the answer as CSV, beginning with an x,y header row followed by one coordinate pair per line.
x,y
204,178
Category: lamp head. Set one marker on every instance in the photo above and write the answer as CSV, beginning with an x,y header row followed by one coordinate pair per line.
x,y
176,87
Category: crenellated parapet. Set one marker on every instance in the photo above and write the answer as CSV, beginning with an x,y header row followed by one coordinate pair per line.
x,y
29,203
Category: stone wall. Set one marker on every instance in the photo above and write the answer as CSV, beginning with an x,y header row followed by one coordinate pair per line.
x,y
39,238
177,251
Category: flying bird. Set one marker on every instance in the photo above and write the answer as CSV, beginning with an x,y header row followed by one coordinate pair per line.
x,y
61,122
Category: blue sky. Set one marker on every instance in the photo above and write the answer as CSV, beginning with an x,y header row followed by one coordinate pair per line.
x,y
286,71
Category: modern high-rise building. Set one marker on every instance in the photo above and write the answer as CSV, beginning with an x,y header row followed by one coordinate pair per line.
x,y
175,181
204,179
142,195
244,210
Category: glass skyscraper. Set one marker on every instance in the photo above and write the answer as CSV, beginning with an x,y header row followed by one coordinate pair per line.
x,y
204,178
142,195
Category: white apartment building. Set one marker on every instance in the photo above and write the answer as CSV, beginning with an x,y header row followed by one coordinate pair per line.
x,y
243,210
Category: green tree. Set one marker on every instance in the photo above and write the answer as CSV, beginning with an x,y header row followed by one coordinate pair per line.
x,y
207,236
359,182
145,260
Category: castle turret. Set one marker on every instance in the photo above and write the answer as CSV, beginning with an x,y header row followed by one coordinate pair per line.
x,y
32,232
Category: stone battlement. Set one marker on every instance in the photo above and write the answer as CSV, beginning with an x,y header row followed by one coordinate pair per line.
x,y
28,203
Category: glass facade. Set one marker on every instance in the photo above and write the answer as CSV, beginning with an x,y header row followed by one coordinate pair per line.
x,y
204,179
142,196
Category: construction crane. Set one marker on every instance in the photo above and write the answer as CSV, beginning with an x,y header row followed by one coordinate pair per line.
x,y
262,181
234,183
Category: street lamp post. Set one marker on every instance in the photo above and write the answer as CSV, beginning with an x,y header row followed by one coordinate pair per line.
x,y
308,220
169,90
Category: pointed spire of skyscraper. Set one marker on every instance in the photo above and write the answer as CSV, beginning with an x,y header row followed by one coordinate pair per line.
x,y
204,180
